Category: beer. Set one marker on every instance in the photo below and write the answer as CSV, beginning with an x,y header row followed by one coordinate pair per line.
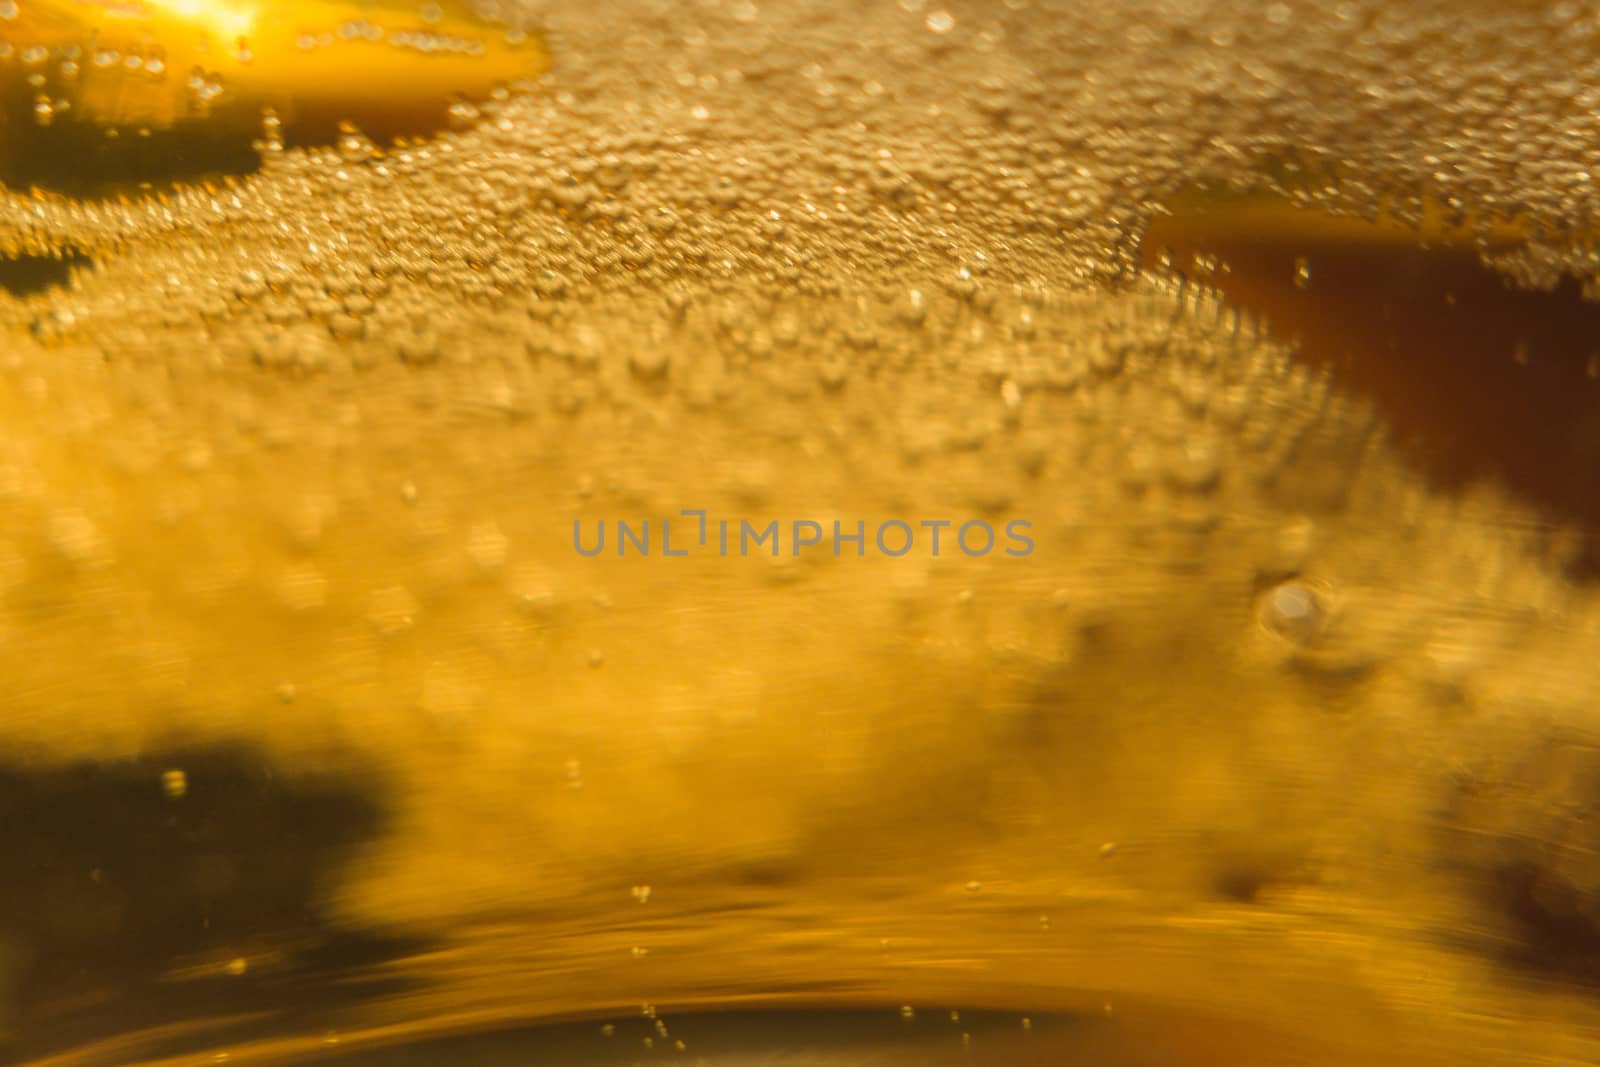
x,y
906,532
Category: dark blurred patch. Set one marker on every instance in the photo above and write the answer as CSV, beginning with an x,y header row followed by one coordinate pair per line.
x,y
1241,882
1557,922
928,1037
1479,381
91,161
131,891
26,275
1527,840
1137,1035
88,160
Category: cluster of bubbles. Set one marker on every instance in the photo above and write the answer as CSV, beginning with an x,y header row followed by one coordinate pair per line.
x,y
784,253
1030,140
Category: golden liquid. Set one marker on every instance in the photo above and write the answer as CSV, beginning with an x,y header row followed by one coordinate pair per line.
x,y
322,742
1482,381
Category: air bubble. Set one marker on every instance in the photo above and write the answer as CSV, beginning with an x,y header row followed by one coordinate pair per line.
x,y
1293,611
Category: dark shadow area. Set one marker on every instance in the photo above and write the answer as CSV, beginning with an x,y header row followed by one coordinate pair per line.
x,y
1240,881
1523,837
928,1037
91,161
1557,924
86,160
26,275
184,886
887,1036
1478,380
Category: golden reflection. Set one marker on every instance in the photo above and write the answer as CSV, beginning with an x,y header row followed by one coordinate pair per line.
x,y
102,96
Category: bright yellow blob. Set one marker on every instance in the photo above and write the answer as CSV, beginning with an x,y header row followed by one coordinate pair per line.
x,y
161,61
130,70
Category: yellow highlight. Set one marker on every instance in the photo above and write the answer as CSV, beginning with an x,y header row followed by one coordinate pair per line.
x,y
157,63
227,21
